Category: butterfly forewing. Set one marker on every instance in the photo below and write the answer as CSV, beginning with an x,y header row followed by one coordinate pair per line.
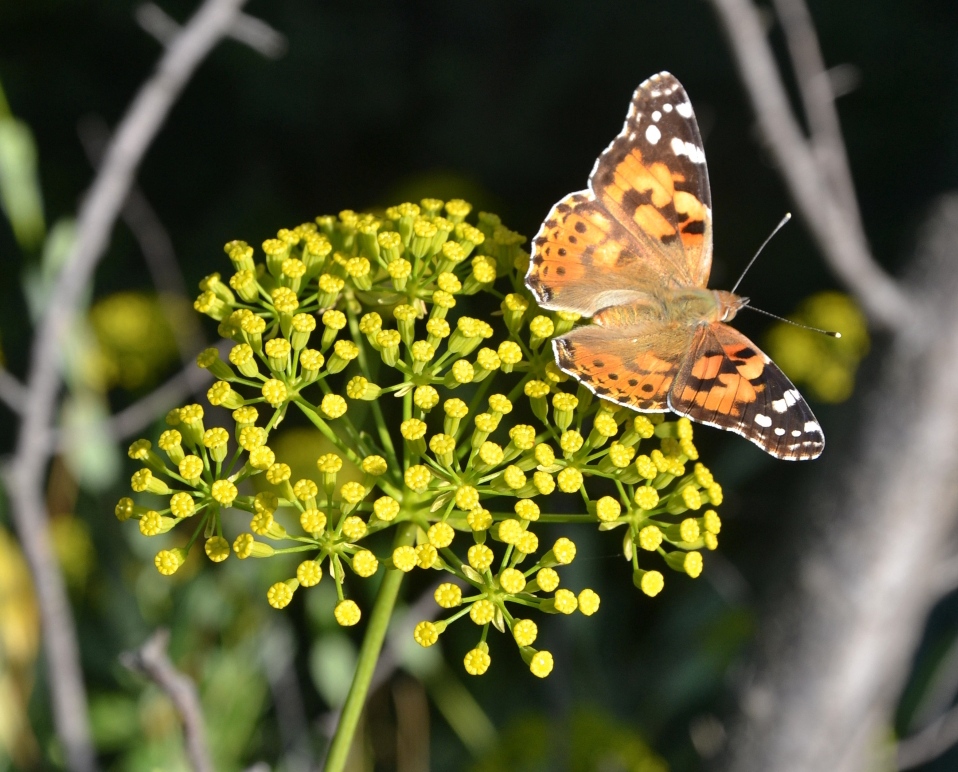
x,y
653,179
583,260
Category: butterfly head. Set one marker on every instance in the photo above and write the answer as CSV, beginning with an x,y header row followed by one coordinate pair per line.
x,y
729,304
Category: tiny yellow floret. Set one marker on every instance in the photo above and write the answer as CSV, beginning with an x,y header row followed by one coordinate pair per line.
x,y
448,595
482,612
217,549
588,602
347,613
541,664
309,573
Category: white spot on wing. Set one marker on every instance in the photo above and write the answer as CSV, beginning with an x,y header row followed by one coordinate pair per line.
x,y
685,109
811,426
763,420
792,396
652,134
694,153
667,107
656,116
779,431
779,405
796,433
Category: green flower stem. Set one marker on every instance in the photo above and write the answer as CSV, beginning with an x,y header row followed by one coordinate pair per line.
x,y
368,656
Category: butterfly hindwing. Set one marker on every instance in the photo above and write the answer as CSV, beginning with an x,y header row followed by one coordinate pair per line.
x,y
616,367
653,179
728,382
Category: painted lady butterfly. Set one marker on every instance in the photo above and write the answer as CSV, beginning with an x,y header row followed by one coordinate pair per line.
x,y
634,253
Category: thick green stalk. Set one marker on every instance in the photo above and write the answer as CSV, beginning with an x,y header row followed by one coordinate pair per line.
x,y
368,656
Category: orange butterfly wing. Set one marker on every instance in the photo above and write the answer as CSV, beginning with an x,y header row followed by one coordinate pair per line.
x,y
584,260
652,179
631,366
645,221
728,382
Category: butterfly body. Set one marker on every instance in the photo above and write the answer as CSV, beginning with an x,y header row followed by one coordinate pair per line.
x,y
634,252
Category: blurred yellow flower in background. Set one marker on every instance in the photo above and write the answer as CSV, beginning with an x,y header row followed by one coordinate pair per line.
x,y
19,642
824,366
135,333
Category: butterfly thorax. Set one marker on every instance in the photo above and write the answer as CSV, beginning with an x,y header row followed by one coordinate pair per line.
x,y
673,307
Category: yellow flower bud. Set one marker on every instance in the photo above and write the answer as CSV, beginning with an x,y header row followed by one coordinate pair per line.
x,y
418,477
527,509
547,579
448,595
512,581
480,557
477,660
309,573
541,664
313,521
588,602
650,538
482,612
607,509
365,563
347,613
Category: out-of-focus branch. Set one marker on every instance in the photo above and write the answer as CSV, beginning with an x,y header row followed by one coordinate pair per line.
x,y
930,743
835,649
133,419
155,244
246,29
12,393
97,215
818,100
823,206
152,661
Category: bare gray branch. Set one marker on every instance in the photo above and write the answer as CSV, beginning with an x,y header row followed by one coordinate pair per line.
x,y
837,646
249,30
97,215
152,661
155,244
825,211
12,393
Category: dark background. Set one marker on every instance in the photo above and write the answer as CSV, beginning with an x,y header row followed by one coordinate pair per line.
x,y
505,104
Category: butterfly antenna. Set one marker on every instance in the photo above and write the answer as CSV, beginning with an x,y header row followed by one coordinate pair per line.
x,y
785,219
829,333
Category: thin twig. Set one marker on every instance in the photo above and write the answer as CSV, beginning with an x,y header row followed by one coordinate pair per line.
x,y
246,29
12,393
818,100
930,743
136,417
97,215
838,236
155,244
152,661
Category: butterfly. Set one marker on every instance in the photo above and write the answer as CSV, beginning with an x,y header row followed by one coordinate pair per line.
x,y
633,252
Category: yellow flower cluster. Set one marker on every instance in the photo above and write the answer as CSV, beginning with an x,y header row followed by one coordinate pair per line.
x,y
408,340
